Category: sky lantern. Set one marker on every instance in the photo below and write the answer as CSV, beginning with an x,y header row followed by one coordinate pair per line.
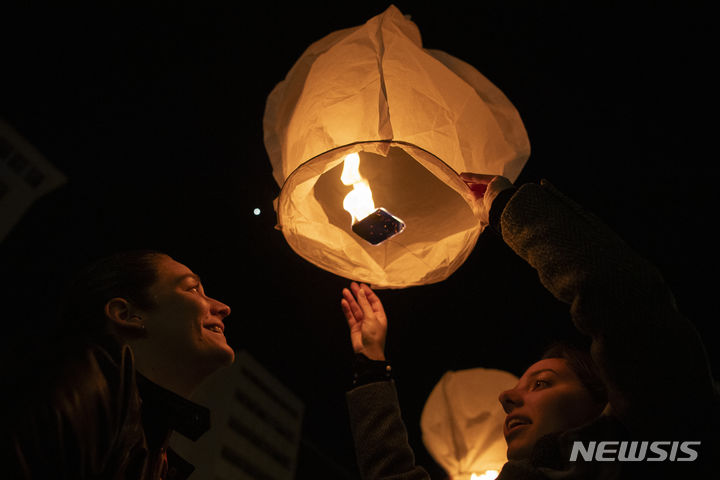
x,y
367,135
462,423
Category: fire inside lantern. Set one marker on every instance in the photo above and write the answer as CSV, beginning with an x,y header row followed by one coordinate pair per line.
x,y
371,224
487,475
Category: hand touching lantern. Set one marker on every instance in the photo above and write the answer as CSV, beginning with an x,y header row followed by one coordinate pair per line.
x,y
485,189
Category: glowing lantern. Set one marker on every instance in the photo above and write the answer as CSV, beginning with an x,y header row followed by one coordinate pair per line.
x,y
366,114
462,423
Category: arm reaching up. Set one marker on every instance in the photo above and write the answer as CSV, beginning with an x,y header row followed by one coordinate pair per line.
x,y
381,440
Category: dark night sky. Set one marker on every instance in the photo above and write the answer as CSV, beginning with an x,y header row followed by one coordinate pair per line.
x,y
154,113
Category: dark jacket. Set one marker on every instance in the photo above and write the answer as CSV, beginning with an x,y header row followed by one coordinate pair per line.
x,y
650,356
95,417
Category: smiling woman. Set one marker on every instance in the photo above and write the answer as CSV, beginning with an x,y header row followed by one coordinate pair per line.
x,y
138,333
178,347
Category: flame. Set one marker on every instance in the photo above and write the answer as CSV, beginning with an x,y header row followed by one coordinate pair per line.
x,y
359,202
487,475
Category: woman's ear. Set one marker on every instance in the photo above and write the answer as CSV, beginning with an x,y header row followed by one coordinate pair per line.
x,y
122,317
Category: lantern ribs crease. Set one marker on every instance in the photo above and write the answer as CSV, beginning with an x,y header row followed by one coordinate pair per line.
x,y
416,118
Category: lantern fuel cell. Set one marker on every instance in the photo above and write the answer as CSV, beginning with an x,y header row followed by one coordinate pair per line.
x,y
378,226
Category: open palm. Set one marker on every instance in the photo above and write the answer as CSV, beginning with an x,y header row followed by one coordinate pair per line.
x,y
367,321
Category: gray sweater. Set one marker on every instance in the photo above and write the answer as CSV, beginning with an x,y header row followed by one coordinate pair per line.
x,y
650,356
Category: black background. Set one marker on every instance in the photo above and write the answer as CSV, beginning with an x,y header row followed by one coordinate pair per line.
x,y
154,113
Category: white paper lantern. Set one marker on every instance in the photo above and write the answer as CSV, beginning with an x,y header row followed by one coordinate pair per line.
x,y
416,118
462,422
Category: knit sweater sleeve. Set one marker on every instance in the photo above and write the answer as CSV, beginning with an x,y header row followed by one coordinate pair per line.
x,y
651,357
381,439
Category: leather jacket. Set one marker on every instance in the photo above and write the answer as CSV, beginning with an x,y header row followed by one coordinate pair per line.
x,y
95,417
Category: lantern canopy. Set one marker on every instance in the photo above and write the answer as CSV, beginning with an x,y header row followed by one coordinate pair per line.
x,y
414,118
462,422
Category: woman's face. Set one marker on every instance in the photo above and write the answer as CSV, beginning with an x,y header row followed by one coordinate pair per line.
x,y
548,398
185,325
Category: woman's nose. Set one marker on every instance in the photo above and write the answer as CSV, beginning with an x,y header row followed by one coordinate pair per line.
x,y
510,399
220,309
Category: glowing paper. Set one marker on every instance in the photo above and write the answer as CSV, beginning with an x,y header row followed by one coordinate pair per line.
x,y
462,422
416,118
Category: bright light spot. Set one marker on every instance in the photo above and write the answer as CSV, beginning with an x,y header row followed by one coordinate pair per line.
x,y
256,211
351,169
488,475
359,202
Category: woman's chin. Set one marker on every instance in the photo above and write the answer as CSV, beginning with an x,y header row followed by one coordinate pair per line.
x,y
215,357
223,355
229,357
518,451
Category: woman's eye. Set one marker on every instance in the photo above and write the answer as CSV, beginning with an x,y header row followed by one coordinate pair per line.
x,y
195,288
540,384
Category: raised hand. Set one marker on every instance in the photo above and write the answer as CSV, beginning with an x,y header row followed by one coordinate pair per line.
x,y
367,321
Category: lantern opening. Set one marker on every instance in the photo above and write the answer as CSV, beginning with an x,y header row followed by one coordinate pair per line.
x,y
372,225
410,183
